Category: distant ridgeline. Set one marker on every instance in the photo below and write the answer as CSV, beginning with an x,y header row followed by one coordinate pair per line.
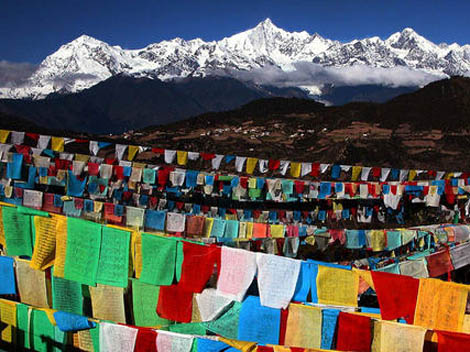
x,y
197,251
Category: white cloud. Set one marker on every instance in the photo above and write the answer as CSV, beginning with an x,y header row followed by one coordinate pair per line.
x,y
309,74
14,74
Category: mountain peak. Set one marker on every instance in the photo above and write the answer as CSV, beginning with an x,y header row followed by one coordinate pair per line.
x,y
84,38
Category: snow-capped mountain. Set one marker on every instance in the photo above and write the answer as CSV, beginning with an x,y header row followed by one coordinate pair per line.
x,y
87,61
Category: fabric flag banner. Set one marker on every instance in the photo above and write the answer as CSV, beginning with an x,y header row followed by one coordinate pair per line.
x,y
82,251
72,322
7,276
42,331
304,326
397,337
397,295
259,323
227,324
441,305
174,303
337,286
452,341
107,303
329,320
31,284
158,260
45,243
57,144
67,295
117,338
198,266
174,342
17,229
144,303
307,280
8,320
277,279
210,304
146,340
155,220
354,333
113,264
4,136
238,268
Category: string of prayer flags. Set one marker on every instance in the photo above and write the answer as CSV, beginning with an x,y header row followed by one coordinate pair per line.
x,y
82,251
158,260
397,295
258,322
238,268
113,264
337,286
7,276
277,278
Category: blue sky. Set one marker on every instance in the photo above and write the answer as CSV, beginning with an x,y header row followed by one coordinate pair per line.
x,y
32,29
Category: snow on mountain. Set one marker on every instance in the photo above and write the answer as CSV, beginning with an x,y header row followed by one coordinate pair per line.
x,y
86,61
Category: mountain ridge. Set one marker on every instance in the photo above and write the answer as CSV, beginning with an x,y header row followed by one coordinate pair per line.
x,y
86,61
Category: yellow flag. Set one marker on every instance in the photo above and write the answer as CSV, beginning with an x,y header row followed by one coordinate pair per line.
x,y
441,305
8,318
132,151
304,325
250,165
82,157
60,246
249,230
107,303
208,226
411,175
337,286
377,239
181,157
44,246
2,230
136,252
356,170
57,144
396,337
295,169
243,346
277,231
4,136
